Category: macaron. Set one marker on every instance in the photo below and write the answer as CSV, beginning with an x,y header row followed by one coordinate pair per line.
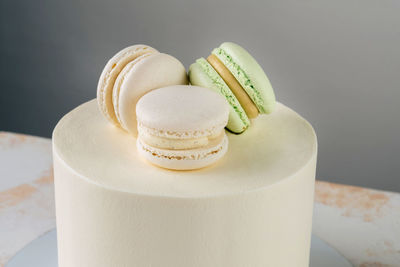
x,y
130,74
110,73
182,127
234,73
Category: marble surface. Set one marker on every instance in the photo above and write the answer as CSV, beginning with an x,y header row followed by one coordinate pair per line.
x,y
362,224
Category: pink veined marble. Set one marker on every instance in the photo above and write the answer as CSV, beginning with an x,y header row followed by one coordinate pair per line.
x,y
362,224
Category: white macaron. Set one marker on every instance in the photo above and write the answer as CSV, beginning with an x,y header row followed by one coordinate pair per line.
x,y
182,127
130,74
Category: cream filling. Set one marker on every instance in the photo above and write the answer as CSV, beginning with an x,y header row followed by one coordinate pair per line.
x,y
241,95
179,144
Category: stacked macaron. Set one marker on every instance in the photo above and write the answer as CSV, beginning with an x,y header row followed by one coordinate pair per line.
x,y
182,127
231,71
130,74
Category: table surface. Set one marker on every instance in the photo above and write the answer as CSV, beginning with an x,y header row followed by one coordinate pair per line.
x,y
362,224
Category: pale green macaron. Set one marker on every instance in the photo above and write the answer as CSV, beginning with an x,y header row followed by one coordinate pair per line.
x,y
246,71
201,73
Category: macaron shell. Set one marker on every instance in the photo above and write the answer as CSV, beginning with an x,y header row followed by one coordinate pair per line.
x,y
152,72
110,74
186,110
249,74
188,159
118,83
201,73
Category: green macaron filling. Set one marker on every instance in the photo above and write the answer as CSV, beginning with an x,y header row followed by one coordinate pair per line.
x,y
224,90
241,77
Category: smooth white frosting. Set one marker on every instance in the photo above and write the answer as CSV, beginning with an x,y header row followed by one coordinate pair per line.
x,y
273,149
251,208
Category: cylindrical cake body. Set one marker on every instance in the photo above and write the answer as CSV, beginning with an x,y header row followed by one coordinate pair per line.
x,y
105,226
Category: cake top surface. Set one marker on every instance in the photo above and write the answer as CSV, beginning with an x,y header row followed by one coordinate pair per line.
x,y
272,150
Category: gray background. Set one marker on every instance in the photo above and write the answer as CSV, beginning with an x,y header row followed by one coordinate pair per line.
x,y
336,62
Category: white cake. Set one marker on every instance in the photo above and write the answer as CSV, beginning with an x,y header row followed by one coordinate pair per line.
x,y
252,208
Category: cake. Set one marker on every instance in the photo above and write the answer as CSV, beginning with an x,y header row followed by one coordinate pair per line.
x,y
148,176
253,208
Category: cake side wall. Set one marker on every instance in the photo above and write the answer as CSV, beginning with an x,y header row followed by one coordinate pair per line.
x,y
101,227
